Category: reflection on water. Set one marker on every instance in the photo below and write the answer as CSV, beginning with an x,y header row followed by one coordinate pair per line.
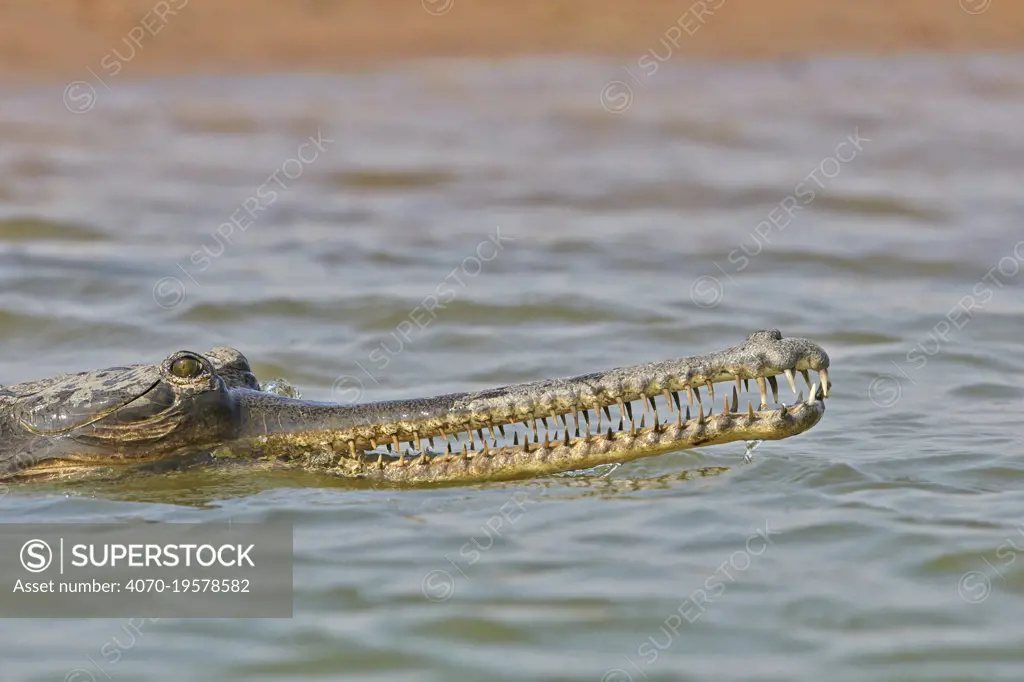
x,y
188,214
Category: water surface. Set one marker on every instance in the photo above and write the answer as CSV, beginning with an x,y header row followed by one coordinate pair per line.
x,y
881,545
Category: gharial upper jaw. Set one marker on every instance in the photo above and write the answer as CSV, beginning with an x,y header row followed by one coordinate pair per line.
x,y
767,353
530,415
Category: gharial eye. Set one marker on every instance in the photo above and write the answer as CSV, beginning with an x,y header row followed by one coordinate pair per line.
x,y
186,368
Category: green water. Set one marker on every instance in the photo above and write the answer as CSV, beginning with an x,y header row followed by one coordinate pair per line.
x,y
879,546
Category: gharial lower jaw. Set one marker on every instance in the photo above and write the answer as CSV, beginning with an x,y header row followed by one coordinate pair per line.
x,y
632,439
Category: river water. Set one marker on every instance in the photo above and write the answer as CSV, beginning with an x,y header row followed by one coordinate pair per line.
x,y
583,215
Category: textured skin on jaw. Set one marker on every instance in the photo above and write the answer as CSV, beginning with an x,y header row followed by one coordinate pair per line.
x,y
127,415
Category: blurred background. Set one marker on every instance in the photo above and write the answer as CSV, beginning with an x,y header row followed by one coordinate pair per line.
x,y
596,184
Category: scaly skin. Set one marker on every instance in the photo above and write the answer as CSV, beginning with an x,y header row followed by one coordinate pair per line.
x,y
192,404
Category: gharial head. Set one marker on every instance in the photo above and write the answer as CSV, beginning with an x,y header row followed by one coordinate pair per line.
x,y
135,412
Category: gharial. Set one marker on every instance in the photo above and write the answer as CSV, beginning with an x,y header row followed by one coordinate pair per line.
x,y
208,409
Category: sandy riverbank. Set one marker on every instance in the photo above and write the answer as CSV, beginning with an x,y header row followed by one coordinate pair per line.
x,y
52,40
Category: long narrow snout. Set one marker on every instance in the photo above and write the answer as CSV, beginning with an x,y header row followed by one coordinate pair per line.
x,y
565,423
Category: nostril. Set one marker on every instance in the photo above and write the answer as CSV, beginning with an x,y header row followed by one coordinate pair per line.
x,y
765,335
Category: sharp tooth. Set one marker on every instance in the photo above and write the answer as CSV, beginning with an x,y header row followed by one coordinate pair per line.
x,y
696,392
806,376
609,436
711,390
565,423
422,458
431,441
735,400
726,399
823,375
689,393
763,388
654,405
746,384
739,383
791,379
544,421
566,441
814,395
515,438
629,410
668,400
395,443
586,417
750,410
449,448
799,397
700,415
643,401
501,430
643,419
773,382
380,461
675,397
607,413
373,442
